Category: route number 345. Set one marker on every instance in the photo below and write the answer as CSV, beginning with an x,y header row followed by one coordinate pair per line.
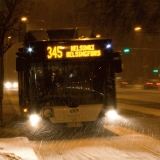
x,y
54,52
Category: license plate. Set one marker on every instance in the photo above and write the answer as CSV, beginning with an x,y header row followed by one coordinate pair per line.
x,y
75,124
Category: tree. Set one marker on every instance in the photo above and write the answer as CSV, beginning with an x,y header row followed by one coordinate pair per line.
x,y
115,18
10,13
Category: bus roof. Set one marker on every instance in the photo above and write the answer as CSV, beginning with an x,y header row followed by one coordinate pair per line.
x,y
57,34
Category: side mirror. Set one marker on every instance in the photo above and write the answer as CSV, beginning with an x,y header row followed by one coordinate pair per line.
x,y
19,64
20,52
117,62
20,49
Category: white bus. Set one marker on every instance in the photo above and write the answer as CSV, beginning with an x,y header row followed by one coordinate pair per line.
x,y
67,76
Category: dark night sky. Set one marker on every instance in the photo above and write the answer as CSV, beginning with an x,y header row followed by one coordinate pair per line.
x,y
55,14
62,13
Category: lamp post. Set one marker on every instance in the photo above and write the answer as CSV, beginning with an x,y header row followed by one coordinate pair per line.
x,y
22,28
130,55
1,60
147,48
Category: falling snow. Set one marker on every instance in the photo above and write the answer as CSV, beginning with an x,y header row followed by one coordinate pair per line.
x,y
131,146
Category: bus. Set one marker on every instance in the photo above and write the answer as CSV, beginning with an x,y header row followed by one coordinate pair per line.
x,y
67,76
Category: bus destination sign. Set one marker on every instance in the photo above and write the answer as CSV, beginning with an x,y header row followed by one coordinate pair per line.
x,y
73,51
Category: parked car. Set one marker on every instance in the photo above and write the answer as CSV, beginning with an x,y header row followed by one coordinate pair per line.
x,y
152,84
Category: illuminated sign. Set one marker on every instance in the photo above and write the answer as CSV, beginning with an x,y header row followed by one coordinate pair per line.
x,y
74,51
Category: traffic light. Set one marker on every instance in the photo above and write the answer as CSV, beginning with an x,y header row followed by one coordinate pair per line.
x,y
126,50
155,70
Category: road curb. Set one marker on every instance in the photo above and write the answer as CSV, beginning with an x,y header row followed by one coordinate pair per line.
x,y
139,108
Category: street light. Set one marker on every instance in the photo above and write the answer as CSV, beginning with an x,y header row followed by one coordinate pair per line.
x,y
24,19
22,28
126,50
137,28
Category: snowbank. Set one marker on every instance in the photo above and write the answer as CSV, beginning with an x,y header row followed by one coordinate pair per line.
x,y
16,149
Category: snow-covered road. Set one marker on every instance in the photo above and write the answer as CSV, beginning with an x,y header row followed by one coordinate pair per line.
x,y
128,145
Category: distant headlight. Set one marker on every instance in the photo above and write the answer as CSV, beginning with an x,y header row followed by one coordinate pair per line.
x,y
9,85
15,85
34,119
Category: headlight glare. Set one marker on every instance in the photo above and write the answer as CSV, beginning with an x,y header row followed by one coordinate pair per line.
x,y
112,114
15,85
34,119
8,85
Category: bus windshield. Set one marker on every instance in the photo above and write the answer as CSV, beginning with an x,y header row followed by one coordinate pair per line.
x,y
60,81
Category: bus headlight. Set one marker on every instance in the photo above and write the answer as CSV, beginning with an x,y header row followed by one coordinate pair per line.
x,y
112,114
34,119
10,85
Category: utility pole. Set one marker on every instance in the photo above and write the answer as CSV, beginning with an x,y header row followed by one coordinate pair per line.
x,y
1,61
1,84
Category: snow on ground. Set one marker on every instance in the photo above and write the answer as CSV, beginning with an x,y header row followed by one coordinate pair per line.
x,y
16,149
126,147
129,145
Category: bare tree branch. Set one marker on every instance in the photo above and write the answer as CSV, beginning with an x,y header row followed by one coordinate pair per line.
x,y
9,15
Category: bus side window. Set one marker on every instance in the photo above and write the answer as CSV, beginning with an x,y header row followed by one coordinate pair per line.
x,y
99,77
